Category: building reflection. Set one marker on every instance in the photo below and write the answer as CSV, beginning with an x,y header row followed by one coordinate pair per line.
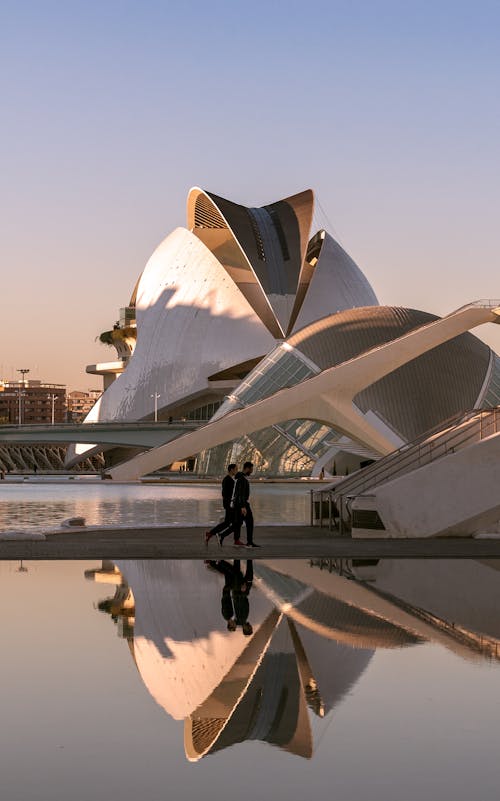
x,y
305,652
314,628
450,602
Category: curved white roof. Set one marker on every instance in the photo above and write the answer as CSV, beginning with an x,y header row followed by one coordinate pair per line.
x,y
336,283
263,249
222,293
192,322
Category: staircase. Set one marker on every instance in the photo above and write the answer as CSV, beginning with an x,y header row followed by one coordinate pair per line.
x,y
458,433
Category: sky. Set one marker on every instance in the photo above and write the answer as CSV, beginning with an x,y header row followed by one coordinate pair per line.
x,y
112,110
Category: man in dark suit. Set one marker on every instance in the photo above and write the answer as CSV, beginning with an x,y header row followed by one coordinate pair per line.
x,y
242,508
227,525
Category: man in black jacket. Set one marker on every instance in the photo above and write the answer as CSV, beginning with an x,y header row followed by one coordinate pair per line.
x,y
243,511
223,529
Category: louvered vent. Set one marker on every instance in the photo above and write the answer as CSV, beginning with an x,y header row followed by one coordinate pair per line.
x,y
279,231
261,253
206,215
204,731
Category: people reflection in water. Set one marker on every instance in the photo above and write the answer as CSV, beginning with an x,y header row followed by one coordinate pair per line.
x,y
235,606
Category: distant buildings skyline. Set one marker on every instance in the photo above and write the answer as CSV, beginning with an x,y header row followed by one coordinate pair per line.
x,y
31,401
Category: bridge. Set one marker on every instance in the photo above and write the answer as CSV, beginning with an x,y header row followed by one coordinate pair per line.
x,y
134,435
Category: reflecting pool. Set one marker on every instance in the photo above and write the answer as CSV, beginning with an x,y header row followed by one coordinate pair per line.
x,y
265,679
39,503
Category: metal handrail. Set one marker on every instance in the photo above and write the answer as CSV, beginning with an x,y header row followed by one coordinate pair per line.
x,y
457,433
484,303
361,476
471,426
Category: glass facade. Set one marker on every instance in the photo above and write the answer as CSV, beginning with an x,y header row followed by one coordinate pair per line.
x,y
271,453
309,433
289,448
283,367
205,412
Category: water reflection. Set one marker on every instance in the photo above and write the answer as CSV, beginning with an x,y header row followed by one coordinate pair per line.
x,y
322,674
41,504
235,605
307,645
453,602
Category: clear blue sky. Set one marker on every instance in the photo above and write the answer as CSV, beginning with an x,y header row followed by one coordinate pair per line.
x,y
112,110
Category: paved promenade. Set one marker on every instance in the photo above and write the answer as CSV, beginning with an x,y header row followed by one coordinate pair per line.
x,y
278,542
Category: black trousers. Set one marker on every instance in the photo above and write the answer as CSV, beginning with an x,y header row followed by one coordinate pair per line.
x,y
226,526
247,519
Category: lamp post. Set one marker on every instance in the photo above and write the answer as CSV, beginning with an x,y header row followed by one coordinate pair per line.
x,y
156,396
24,371
20,395
52,398
22,383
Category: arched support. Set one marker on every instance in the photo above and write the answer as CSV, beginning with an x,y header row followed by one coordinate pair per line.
x,y
326,398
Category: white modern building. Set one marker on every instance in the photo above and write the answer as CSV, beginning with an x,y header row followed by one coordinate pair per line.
x,y
243,305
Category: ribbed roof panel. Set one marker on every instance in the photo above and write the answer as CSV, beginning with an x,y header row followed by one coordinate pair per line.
x,y
338,337
417,396
271,238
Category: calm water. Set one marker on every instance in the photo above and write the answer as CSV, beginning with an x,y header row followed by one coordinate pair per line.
x,y
39,503
123,681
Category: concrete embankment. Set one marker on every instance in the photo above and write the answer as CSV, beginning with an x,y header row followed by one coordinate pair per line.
x,y
277,542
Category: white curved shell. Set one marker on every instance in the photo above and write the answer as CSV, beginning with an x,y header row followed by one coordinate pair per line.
x,y
192,322
265,257
336,284
221,295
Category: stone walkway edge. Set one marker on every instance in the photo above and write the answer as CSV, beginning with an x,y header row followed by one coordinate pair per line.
x,y
277,542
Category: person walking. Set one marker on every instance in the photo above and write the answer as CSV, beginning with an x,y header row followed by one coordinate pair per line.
x,y
221,530
242,508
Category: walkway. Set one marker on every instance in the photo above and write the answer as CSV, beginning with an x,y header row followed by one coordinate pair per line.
x,y
278,542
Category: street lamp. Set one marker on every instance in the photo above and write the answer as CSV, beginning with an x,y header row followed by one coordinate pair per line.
x,y
24,371
156,396
20,395
22,383
52,398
